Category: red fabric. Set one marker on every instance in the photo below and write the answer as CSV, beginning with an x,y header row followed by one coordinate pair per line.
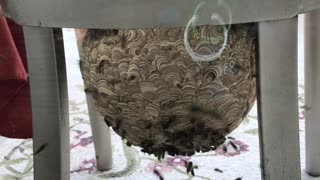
x,y
15,106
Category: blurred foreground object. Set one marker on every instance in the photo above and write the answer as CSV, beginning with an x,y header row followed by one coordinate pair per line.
x,y
15,106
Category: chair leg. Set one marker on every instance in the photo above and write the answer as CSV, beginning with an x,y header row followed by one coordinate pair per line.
x,y
101,137
312,92
49,100
278,100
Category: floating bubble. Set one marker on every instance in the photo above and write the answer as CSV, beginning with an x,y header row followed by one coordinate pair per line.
x,y
212,40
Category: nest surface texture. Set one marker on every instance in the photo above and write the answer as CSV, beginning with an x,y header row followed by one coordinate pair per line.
x,y
154,95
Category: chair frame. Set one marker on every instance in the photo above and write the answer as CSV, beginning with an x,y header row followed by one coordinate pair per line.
x,y
276,88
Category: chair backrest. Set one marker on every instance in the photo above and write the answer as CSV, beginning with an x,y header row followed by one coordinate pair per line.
x,y
148,13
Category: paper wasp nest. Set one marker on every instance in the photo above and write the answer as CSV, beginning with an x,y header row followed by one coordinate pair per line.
x,y
156,96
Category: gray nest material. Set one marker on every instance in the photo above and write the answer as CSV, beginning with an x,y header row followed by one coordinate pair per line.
x,y
155,96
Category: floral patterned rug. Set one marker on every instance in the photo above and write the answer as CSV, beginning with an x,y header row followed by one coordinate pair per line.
x,y
237,159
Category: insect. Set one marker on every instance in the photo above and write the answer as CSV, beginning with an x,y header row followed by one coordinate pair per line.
x,y
146,143
149,125
238,67
192,172
190,168
81,65
41,148
225,149
307,108
118,122
123,133
196,109
212,113
165,123
93,92
143,150
218,170
215,114
205,149
197,149
107,122
160,154
163,152
219,140
233,145
98,33
157,173
229,137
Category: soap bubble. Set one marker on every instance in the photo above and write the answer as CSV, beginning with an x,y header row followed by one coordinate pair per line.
x,y
212,40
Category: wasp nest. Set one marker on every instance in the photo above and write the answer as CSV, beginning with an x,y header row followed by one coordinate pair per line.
x,y
154,95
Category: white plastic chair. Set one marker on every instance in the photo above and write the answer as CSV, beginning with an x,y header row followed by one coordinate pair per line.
x,y
277,75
